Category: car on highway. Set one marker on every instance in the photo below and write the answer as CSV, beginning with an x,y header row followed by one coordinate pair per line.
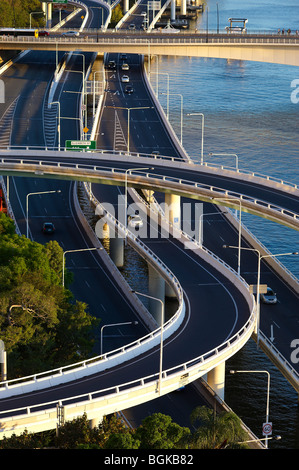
x,y
125,79
269,297
111,64
70,33
129,89
135,221
125,66
43,33
48,228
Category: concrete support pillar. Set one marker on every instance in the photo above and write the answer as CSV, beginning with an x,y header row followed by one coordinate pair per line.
x,y
183,7
44,8
173,209
172,10
117,251
126,6
216,379
156,289
93,423
49,15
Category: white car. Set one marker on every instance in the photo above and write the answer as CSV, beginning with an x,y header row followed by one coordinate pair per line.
x,y
125,79
269,297
135,221
70,33
125,66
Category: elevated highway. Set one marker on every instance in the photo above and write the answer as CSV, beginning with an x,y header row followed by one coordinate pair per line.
x,y
275,201
120,395
255,47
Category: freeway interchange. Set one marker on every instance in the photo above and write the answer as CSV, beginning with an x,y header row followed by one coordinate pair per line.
x,y
196,278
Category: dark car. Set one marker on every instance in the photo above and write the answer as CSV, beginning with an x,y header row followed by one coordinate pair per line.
x,y
43,33
129,89
48,227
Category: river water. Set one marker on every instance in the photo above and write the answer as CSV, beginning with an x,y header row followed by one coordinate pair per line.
x,y
248,111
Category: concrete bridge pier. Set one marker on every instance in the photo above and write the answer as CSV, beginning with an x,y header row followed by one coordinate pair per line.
x,y
183,7
216,379
173,209
126,6
49,15
117,251
156,289
172,10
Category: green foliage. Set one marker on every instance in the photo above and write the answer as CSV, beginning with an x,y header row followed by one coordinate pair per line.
x,y
40,323
15,13
215,429
116,16
157,431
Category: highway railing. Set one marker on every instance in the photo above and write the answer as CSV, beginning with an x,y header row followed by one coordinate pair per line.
x,y
156,37
197,165
103,400
202,191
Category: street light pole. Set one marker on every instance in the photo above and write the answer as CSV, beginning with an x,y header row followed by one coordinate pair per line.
x,y
115,324
202,132
72,251
126,194
227,155
161,337
268,391
31,194
240,229
260,257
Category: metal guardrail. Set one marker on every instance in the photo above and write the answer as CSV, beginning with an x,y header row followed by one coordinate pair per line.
x,y
197,165
156,37
255,204
172,373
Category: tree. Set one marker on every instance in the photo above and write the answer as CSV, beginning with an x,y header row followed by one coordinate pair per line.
x,y
158,431
215,429
40,322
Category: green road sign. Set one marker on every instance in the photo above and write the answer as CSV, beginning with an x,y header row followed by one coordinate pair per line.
x,y
80,144
59,1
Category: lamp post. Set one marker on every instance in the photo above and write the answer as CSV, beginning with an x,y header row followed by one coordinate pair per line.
x,y
129,110
115,324
211,154
83,86
161,336
268,391
181,96
202,132
201,225
260,257
167,93
240,226
126,193
27,197
73,251
34,13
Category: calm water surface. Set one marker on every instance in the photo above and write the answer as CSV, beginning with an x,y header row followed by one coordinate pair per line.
x,y
248,111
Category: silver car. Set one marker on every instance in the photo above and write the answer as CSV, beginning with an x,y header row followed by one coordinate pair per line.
x,y
269,297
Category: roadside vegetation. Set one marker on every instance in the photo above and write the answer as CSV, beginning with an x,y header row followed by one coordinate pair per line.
x,y
16,13
41,324
157,431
